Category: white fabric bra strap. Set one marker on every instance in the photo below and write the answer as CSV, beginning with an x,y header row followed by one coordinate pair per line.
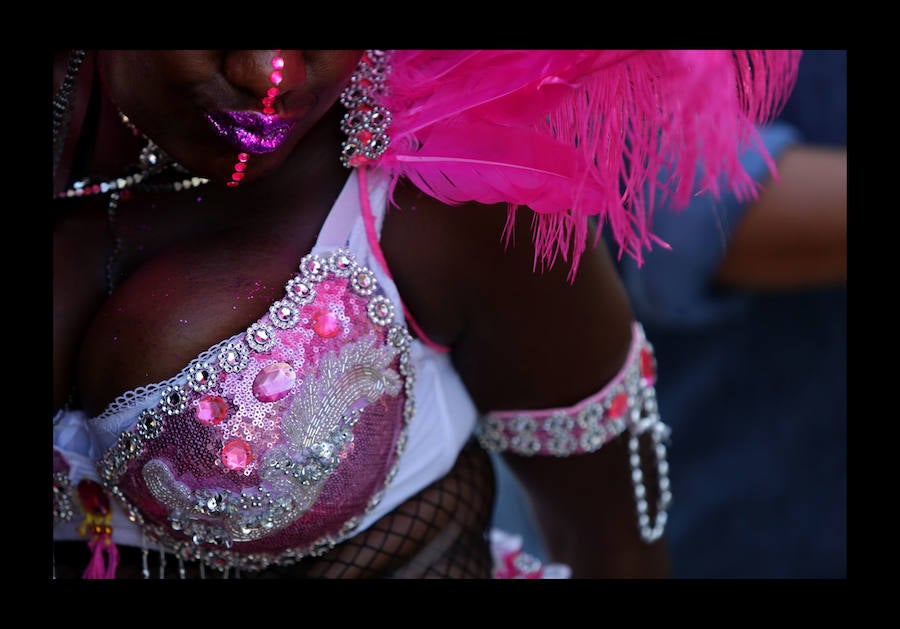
x,y
344,215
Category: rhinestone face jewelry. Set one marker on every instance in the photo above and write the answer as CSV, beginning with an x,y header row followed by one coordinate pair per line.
x,y
276,77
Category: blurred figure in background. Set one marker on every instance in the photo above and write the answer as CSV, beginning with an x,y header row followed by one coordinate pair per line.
x,y
748,316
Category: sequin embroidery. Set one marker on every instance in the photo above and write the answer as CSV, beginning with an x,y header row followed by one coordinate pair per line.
x,y
277,447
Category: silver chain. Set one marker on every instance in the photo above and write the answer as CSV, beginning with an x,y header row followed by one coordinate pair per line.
x,y
62,105
659,434
113,258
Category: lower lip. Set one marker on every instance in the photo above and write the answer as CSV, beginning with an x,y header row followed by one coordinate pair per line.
x,y
251,131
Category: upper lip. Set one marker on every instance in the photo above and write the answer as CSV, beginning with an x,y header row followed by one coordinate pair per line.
x,y
251,131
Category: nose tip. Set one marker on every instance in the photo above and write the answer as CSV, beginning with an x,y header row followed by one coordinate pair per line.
x,y
259,71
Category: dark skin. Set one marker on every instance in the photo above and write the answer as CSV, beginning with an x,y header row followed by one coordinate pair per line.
x,y
794,235
193,273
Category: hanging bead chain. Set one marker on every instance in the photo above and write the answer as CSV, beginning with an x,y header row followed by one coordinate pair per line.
x,y
659,433
85,188
113,257
152,161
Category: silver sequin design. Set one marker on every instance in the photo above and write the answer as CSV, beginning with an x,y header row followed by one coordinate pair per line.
x,y
315,431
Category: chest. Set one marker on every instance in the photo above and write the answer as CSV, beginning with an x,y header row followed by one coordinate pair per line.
x,y
184,281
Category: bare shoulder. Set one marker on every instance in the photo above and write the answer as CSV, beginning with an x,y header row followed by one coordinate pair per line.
x,y
521,337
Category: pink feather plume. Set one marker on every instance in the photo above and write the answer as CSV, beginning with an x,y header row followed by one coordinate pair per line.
x,y
573,134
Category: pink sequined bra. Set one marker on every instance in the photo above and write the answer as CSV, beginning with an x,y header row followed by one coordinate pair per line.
x,y
274,444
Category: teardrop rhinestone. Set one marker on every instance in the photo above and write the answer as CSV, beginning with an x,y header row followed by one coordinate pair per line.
x,y
273,382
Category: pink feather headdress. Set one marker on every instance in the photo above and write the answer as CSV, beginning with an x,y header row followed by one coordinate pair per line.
x,y
573,134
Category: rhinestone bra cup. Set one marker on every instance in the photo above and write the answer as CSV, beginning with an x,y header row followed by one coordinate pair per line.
x,y
274,447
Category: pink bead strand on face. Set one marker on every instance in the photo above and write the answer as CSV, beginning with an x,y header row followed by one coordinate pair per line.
x,y
268,100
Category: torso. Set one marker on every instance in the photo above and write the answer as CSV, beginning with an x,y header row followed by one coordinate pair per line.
x,y
194,274
190,274
195,268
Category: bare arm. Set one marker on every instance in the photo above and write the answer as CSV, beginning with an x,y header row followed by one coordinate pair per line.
x,y
526,340
795,234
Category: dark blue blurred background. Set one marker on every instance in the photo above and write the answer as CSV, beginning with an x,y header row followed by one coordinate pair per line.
x,y
752,384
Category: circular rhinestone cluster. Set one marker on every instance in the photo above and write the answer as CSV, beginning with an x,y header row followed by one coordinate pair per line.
x,y
259,510
366,121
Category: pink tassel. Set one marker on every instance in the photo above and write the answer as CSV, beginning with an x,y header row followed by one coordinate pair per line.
x,y
98,514
100,567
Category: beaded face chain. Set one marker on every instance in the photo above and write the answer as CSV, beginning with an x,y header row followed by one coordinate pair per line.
x,y
268,100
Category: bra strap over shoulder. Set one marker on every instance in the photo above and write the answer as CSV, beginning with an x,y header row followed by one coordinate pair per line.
x,y
372,235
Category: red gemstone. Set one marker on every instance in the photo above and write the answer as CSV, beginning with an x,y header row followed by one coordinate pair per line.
x,y
240,167
278,63
231,184
275,77
326,324
618,405
272,92
93,499
648,369
243,157
211,410
236,455
237,176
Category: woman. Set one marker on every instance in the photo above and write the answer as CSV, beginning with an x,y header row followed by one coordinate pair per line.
x,y
224,409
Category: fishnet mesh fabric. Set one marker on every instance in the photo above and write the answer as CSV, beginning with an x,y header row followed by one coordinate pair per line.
x,y
442,532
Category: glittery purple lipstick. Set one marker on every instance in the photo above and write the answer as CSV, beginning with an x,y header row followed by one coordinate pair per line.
x,y
251,131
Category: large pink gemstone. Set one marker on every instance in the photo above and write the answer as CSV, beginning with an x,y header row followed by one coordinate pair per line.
x,y
273,382
211,410
326,324
236,454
